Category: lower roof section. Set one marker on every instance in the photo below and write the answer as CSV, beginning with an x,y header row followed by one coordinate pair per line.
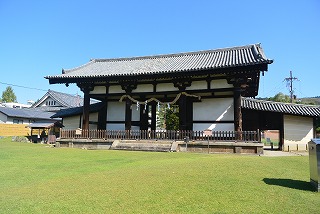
x,y
287,108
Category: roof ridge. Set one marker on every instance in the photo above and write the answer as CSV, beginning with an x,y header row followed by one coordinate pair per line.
x,y
169,55
64,71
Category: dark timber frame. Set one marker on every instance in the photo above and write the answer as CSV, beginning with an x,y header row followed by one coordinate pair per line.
x,y
239,66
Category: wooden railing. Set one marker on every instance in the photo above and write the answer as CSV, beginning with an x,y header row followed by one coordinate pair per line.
x,y
246,136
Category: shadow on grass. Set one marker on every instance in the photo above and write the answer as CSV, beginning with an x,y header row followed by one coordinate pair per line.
x,y
289,183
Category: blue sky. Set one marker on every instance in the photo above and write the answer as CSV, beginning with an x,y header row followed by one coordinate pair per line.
x,y
39,38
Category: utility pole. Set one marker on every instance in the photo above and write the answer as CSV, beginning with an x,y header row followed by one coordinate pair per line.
x,y
289,81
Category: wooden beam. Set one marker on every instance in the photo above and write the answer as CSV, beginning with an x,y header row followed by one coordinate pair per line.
x,y
237,110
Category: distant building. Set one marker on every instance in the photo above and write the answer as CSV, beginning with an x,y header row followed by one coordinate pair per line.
x,y
24,116
15,105
53,101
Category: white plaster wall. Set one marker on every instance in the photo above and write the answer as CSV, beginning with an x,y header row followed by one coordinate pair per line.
x,y
217,109
223,93
298,131
93,127
166,87
93,117
135,113
115,89
197,85
222,83
98,90
144,88
71,122
214,127
115,126
116,111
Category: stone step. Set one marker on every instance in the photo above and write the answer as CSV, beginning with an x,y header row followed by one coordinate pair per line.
x,y
141,146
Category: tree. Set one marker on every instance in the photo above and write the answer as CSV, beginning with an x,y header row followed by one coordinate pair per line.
x,y
168,118
8,96
280,97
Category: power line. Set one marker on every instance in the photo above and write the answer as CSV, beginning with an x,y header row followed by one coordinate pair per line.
x,y
21,86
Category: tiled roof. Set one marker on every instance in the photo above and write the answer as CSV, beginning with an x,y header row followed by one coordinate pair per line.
x,y
76,110
45,125
170,63
287,108
26,113
65,100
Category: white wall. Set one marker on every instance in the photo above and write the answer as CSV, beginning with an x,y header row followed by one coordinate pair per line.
x,y
215,109
197,85
215,127
166,87
144,88
115,126
71,122
298,131
222,83
135,113
115,89
98,90
116,111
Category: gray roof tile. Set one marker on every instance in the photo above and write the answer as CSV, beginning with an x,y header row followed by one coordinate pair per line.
x,y
288,108
26,113
180,62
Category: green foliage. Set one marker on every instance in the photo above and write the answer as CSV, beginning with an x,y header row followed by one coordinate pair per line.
x,y
280,97
8,95
168,118
38,179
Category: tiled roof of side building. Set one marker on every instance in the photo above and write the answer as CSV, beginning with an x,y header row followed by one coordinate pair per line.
x,y
77,110
26,113
67,100
63,99
169,63
287,108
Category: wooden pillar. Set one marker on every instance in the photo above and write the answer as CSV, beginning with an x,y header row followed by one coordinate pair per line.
x,y
281,133
153,116
128,87
86,88
183,112
128,114
86,108
102,116
189,113
237,109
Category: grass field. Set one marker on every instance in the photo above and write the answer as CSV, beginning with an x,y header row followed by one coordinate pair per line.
x,y
38,179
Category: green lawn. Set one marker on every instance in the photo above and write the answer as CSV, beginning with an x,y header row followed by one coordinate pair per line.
x,y
37,179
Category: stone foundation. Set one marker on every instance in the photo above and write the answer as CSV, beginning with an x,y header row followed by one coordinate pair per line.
x,y
164,146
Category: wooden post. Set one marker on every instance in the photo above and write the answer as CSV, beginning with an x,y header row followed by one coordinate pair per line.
x,y
153,116
102,116
237,112
128,114
86,109
183,112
